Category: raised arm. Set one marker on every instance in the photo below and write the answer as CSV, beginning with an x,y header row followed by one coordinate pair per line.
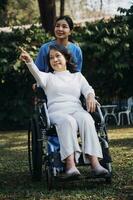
x,y
40,77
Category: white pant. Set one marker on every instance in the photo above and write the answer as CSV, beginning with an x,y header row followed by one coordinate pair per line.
x,y
67,126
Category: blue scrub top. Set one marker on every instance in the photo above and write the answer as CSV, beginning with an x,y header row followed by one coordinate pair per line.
x,y
41,60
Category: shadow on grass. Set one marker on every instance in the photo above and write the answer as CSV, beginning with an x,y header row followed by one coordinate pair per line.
x,y
20,186
123,142
22,183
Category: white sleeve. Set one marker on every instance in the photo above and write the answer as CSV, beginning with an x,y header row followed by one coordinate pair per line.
x,y
85,87
41,77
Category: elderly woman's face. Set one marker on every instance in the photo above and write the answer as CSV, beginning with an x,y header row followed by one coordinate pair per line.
x,y
57,60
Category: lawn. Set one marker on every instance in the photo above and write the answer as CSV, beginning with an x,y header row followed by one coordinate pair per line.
x,y
16,183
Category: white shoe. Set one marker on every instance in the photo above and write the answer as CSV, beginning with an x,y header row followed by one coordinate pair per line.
x,y
73,172
99,170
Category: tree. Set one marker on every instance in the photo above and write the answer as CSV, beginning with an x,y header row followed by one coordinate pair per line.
x,y
47,14
3,12
62,7
101,4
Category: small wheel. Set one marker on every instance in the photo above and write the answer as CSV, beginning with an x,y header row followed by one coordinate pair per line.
x,y
49,177
108,180
35,148
108,166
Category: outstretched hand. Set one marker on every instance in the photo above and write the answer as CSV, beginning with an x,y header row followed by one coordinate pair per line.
x,y
24,56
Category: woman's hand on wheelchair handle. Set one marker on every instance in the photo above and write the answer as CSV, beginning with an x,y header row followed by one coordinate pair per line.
x,y
34,86
91,103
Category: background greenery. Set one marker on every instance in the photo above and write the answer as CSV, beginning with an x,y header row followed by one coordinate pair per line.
x,y
18,12
108,64
108,55
16,81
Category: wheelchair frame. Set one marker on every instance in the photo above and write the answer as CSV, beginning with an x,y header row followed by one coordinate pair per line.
x,y
38,132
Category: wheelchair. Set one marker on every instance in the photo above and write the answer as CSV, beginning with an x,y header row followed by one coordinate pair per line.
x,y
43,145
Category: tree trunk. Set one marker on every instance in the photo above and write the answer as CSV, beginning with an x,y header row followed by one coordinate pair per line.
x,y
101,4
62,7
47,14
3,13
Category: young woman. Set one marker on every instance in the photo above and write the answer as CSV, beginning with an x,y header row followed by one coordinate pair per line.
x,y
63,29
63,87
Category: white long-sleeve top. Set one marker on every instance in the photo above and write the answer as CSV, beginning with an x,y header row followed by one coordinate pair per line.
x,y
63,89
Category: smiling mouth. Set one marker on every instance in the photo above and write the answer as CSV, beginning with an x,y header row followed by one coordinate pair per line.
x,y
56,64
59,33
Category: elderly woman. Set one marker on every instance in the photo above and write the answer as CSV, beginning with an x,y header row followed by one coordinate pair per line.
x,y
63,87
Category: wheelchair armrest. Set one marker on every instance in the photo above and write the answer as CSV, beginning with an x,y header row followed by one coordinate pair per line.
x,y
39,96
98,108
100,114
39,93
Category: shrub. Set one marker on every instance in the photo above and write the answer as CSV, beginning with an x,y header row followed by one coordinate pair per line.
x,y
15,79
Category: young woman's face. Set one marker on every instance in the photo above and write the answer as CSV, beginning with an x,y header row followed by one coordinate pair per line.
x,y
57,60
62,29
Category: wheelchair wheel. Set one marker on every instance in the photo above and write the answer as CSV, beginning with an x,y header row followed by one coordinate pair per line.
x,y
108,166
35,148
49,177
108,180
106,162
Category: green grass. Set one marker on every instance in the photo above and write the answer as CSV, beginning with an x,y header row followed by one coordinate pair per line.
x,y
16,183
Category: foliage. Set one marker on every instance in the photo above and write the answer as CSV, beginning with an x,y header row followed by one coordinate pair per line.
x,y
16,183
108,62
3,12
15,79
18,12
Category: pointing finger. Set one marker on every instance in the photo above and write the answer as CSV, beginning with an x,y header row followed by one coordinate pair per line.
x,y
21,49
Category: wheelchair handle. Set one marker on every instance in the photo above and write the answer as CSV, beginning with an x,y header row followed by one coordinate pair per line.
x,y
100,113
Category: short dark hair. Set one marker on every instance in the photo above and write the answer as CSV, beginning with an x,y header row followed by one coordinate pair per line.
x,y
71,65
67,19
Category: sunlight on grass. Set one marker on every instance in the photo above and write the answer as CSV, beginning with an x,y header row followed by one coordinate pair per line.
x,y
120,133
16,183
2,142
